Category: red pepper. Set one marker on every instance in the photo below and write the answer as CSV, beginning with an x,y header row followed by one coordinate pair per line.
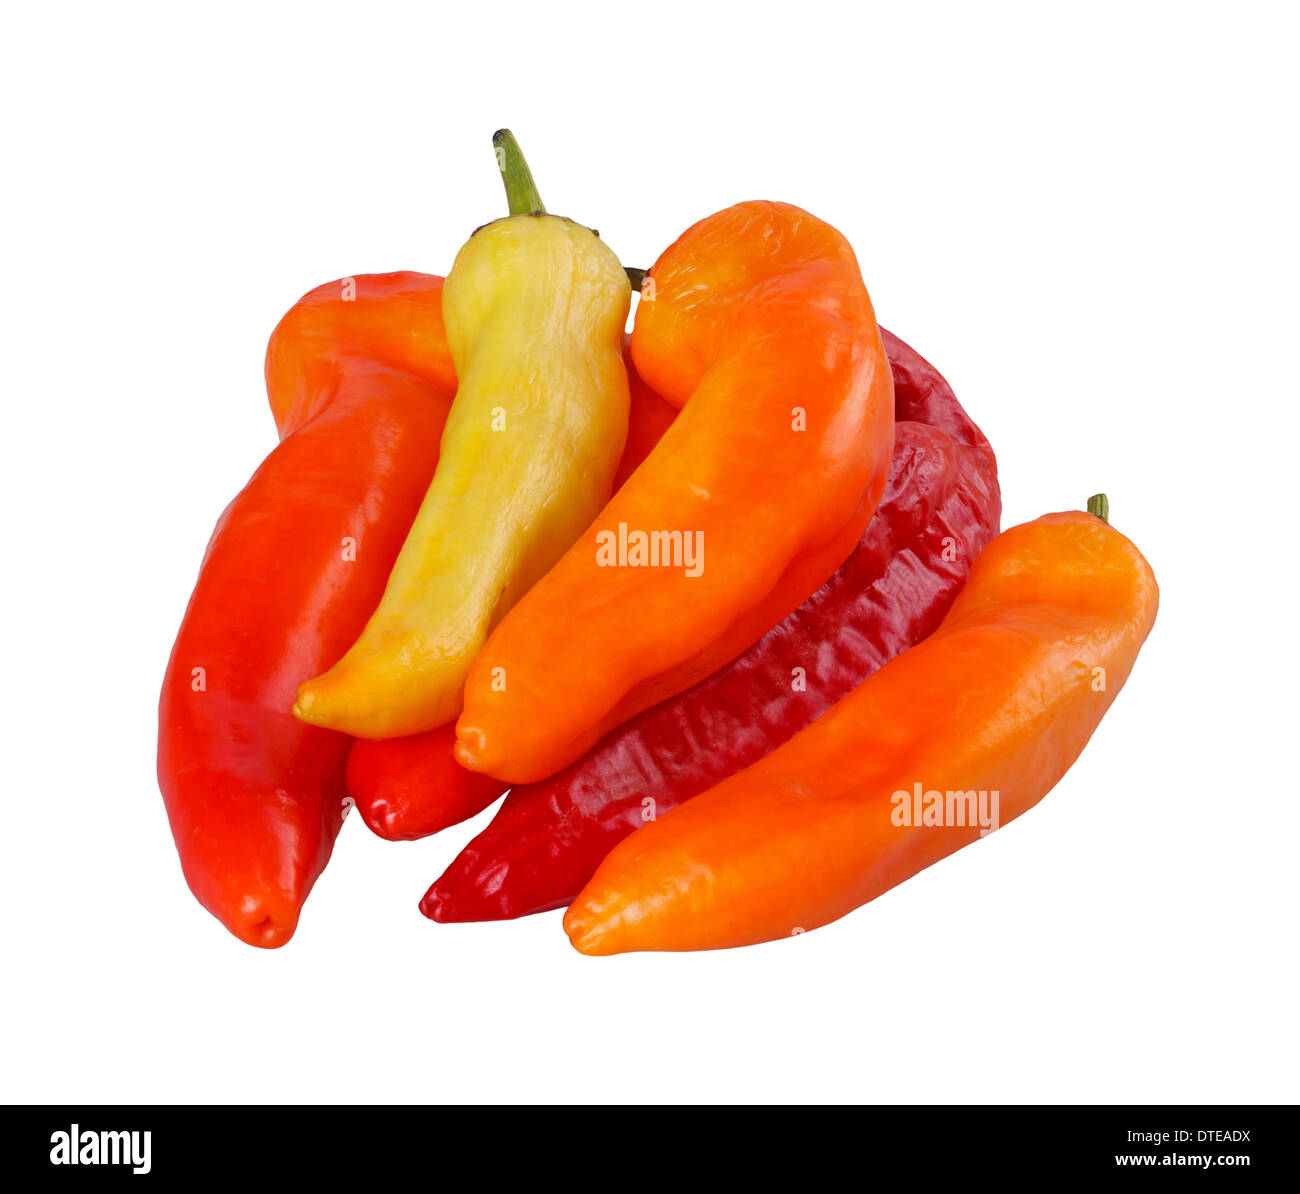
x,y
407,788
941,506
360,381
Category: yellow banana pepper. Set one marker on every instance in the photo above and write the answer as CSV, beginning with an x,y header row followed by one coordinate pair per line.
x,y
535,307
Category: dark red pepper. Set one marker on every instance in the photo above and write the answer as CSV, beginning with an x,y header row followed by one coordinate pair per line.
x,y
941,506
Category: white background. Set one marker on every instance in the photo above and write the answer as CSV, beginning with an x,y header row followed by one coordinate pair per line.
x,y
1086,219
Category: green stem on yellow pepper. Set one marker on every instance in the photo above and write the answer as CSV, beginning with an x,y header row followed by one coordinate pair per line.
x,y
521,190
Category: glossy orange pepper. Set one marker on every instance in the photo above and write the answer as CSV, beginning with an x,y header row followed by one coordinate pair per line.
x,y
985,716
760,329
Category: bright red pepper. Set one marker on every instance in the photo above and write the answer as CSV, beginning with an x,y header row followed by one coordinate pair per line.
x,y
360,380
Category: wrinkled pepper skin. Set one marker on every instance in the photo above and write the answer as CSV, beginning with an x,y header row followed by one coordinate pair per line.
x,y
360,380
762,332
407,788
534,307
940,508
1001,699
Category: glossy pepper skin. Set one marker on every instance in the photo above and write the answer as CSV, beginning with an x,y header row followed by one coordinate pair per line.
x,y
407,788
940,508
534,306
762,332
1001,699
360,380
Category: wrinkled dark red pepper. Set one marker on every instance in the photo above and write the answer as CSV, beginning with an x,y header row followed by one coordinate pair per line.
x,y
941,506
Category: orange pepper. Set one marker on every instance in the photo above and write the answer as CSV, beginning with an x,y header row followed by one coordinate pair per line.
x,y
758,316
992,709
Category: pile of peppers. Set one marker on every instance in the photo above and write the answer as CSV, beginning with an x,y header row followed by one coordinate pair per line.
x,y
721,607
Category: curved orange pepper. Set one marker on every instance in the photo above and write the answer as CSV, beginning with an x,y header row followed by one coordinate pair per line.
x,y
760,318
996,705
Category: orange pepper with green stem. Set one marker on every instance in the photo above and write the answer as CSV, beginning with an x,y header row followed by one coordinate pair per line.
x,y
761,331
963,732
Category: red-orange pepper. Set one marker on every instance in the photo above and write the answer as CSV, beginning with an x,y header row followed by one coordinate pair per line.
x,y
760,319
360,381
962,733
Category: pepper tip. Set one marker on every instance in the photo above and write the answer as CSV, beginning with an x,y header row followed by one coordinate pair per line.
x,y
585,934
469,746
431,904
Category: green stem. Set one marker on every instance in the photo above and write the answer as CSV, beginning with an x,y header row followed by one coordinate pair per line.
x,y
1099,505
521,190
635,276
